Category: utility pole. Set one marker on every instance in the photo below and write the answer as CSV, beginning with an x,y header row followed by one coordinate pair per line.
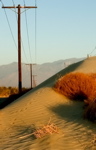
x,y
31,74
34,81
19,43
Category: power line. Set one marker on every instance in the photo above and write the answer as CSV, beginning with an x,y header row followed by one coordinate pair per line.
x,y
32,77
27,32
35,32
21,37
19,43
16,19
92,51
14,9
11,30
24,50
35,40
9,24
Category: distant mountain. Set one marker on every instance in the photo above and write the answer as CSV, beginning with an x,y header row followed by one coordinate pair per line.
x,y
9,72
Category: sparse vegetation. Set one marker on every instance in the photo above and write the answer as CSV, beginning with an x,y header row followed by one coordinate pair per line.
x,y
42,131
50,128
8,91
77,86
10,94
90,111
80,86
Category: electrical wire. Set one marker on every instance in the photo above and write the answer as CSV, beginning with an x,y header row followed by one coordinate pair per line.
x,y
11,29
21,37
27,33
9,24
35,32
26,29
14,9
92,51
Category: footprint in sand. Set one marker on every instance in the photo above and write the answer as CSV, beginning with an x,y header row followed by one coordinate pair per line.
x,y
30,102
25,108
14,120
20,110
15,112
38,92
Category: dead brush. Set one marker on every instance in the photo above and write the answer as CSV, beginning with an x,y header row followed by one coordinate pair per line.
x,y
77,86
92,75
41,131
50,128
90,111
80,86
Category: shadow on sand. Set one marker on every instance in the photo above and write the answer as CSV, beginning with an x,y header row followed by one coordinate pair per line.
x,y
6,101
73,113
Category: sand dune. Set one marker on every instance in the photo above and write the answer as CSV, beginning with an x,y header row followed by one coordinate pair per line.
x,y
42,104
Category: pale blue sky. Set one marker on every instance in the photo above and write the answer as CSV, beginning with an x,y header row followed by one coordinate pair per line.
x,y
65,29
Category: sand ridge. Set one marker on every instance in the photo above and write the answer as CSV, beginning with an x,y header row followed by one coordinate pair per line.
x,y
35,109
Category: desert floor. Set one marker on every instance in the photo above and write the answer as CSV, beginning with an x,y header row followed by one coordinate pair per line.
x,y
41,105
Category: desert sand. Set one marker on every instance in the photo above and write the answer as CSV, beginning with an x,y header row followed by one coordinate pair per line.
x,y
37,107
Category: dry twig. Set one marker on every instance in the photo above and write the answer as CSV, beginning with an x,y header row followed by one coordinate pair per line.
x,y
50,128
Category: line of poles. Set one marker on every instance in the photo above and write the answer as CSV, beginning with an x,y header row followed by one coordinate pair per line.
x,y
19,46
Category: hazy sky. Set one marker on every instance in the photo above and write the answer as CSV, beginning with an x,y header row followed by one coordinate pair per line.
x,y
64,29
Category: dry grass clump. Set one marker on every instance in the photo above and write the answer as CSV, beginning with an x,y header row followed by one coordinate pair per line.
x,y
77,86
42,131
80,86
90,111
50,128
92,75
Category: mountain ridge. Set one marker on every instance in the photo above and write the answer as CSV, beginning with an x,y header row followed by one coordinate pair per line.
x,y
9,72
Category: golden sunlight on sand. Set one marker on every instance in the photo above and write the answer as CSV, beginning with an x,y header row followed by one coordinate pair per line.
x,y
45,110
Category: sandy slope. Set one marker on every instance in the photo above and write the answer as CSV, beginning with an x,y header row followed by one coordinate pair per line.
x,y
37,107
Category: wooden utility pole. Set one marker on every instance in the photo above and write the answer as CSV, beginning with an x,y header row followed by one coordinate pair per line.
x,y
31,74
19,43
19,52
34,81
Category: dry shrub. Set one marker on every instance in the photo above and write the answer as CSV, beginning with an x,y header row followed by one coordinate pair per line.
x,y
42,131
92,75
90,111
80,86
77,86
